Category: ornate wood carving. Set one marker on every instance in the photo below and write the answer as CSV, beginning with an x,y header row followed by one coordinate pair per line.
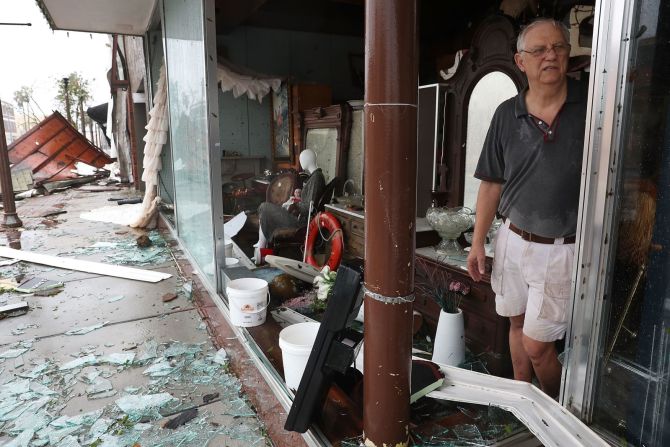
x,y
492,49
338,117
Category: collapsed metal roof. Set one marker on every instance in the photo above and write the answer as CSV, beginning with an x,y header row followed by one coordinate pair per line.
x,y
51,149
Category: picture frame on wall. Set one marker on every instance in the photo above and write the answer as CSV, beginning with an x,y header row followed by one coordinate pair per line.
x,y
281,123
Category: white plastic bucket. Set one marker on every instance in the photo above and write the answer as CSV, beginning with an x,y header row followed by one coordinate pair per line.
x,y
248,299
296,343
232,262
228,248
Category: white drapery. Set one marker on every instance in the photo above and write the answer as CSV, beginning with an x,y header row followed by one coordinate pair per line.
x,y
253,85
157,130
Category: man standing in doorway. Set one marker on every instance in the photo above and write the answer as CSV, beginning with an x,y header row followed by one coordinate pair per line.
x,y
530,169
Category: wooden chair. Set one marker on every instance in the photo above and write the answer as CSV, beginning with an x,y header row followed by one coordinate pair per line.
x,y
278,192
291,241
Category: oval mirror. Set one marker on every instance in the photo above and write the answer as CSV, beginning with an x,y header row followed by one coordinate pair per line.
x,y
323,141
488,94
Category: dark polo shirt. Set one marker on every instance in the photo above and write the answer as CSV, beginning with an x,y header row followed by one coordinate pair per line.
x,y
539,166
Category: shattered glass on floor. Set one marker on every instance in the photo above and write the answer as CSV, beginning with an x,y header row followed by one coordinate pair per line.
x,y
32,400
125,251
453,424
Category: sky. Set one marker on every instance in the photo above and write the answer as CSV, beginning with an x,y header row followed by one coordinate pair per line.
x,y
35,56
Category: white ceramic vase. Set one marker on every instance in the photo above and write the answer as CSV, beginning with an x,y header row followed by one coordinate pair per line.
x,y
449,346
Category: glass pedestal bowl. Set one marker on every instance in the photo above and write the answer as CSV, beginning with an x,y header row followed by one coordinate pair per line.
x,y
450,223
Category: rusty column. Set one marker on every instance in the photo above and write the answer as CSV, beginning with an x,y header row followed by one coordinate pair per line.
x,y
10,218
390,212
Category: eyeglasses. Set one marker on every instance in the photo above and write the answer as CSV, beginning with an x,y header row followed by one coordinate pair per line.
x,y
561,49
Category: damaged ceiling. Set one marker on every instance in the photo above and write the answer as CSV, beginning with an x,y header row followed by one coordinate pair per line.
x,y
99,16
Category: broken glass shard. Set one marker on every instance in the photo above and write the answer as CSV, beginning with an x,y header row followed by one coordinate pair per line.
x,y
468,432
149,351
14,388
35,422
99,385
29,408
36,372
178,348
98,429
102,395
147,405
13,353
115,298
69,441
21,440
78,363
89,374
221,357
159,369
118,358
38,388
86,330
77,421
103,244
21,328
188,289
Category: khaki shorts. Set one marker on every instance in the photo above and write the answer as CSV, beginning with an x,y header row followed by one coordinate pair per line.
x,y
533,279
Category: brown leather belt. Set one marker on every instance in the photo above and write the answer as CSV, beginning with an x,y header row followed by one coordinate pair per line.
x,y
530,237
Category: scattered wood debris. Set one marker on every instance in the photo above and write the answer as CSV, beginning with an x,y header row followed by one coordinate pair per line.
x,y
183,418
169,297
207,398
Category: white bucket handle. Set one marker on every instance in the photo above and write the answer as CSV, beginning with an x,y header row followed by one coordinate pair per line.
x,y
258,310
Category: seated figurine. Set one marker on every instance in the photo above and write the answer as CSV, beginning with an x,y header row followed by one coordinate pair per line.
x,y
294,213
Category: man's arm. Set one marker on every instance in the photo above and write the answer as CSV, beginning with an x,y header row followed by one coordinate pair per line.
x,y
488,198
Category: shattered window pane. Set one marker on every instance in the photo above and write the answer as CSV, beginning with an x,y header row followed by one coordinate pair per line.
x,y
30,404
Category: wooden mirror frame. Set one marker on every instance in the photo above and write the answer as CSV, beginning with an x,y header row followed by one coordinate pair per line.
x,y
492,49
338,117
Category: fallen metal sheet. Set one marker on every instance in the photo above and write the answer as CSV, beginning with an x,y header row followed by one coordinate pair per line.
x,y
64,184
551,423
85,266
13,309
32,285
51,149
97,188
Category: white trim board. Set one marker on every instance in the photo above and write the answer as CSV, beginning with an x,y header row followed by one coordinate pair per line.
x,y
85,266
551,423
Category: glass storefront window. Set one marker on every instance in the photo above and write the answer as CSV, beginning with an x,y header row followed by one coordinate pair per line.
x,y
156,60
184,33
631,400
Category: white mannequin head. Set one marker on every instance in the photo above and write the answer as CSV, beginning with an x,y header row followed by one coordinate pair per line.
x,y
308,160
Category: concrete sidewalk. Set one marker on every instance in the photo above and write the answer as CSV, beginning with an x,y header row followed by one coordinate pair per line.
x,y
105,361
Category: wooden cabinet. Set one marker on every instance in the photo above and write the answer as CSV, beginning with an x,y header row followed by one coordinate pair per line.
x,y
353,229
486,332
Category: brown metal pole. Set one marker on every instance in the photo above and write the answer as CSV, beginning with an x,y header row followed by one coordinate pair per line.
x,y
68,114
130,121
10,218
390,214
81,116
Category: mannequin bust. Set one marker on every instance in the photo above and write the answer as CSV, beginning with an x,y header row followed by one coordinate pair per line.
x,y
295,212
308,160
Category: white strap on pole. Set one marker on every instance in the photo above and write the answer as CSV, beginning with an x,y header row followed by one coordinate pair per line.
x,y
309,219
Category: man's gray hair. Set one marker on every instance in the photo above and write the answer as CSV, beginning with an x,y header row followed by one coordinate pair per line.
x,y
520,41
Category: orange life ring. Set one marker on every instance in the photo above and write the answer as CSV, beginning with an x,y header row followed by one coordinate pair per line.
x,y
329,222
